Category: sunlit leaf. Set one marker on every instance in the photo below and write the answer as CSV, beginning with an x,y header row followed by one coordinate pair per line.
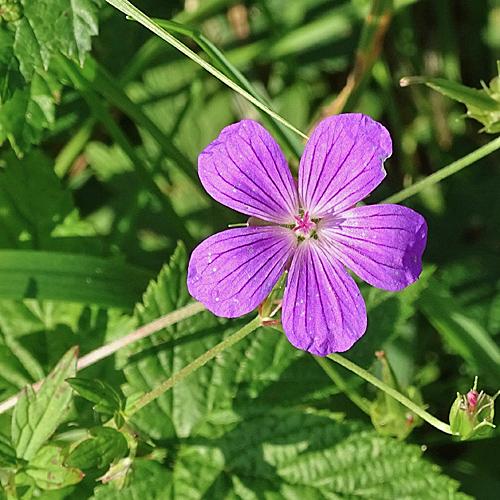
x,y
37,415
103,446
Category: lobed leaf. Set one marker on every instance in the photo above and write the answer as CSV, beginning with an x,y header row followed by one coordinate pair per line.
x,y
105,397
103,446
52,26
37,415
48,471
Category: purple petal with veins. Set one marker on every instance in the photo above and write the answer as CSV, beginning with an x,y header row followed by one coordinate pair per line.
x,y
342,163
245,169
232,272
323,310
382,244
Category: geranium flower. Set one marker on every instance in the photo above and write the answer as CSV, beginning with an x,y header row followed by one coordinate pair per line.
x,y
312,228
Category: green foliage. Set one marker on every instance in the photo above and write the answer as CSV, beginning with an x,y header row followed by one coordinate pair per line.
x,y
37,415
36,31
482,105
104,446
292,454
99,138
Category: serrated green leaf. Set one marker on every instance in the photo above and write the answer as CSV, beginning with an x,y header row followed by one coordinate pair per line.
x,y
27,49
52,26
288,454
48,471
106,399
37,415
25,117
240,374
104,445
147,480
170,350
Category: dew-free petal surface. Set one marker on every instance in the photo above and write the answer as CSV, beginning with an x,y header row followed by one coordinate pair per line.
x,y
233,271
382,244
342,163
245,170
323,310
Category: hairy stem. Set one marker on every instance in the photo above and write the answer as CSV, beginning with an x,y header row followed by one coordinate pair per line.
x,y
107,350
445,172
194,365
417,410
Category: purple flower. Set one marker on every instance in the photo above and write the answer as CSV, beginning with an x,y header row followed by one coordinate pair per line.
x,y
312,228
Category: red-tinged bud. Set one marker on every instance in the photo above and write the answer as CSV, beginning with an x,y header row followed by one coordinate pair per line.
x,y
471,415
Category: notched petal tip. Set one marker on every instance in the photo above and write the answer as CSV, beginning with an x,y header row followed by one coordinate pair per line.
x,y
323,310
245,170
342,163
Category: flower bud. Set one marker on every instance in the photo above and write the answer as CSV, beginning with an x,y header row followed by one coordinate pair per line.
x,y
471,414
390,417
10,10
271,305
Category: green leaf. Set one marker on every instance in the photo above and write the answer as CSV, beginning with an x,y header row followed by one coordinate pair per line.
x,y
465,335
48,471
241,373
10,77
147,480
7,452
106,399
467,95
52,26
104,445
29,221
70,277
37,415
18,367
25,117
160,355
107,161
289,454
25,186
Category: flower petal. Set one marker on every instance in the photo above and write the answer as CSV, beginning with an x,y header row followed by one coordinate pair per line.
x,y
245,169
233,271
342,163
382,244
323,310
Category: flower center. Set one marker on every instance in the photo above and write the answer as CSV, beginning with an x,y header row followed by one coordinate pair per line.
x,y
304,226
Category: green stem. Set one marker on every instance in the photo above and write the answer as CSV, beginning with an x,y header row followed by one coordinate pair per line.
x,y
194,365
353,395
221,62
445,172
105,351
417,410
130,10
73,148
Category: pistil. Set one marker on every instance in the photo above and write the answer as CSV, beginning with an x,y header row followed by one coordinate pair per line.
x,y
304,226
